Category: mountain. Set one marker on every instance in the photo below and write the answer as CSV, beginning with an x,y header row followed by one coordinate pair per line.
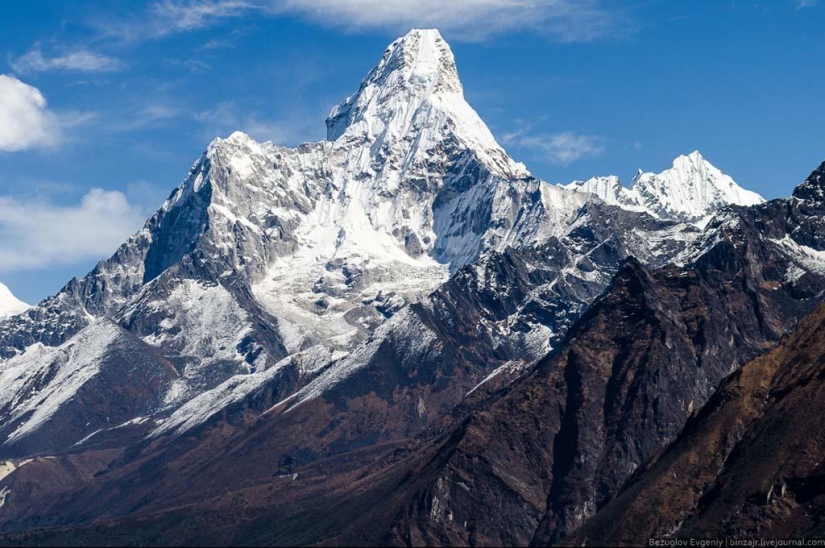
x,y
51,397
394,335
748,464
264,252
9,304
692,190
537,459
530,455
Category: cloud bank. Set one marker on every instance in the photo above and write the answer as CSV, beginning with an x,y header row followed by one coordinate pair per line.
x,y
37,234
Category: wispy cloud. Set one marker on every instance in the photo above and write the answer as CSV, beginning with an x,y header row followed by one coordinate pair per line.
x,y
177,16
76,61
216,44
192,65
36,233
564,20
802,4
557,148
229,116
148,116
26,121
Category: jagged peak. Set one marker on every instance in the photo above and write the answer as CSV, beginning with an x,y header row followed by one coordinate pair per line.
x,y
608,189
691,189
681,163
694,157
237,139
598,185
813,189
422,58
414,86
415,65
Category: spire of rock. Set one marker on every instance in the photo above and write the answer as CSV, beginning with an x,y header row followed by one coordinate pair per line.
x,y
813,189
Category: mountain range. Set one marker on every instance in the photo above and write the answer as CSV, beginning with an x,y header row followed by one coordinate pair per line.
x,y
398,335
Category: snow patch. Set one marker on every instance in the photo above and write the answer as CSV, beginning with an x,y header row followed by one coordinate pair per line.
x,y
199,409
72,365
9,304
809,259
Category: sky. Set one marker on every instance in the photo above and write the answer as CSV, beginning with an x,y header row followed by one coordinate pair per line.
x,y
104,105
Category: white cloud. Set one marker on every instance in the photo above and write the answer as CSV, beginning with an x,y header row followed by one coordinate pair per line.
x,y
25,120
39,234
565,20
802,4
79,61
557,148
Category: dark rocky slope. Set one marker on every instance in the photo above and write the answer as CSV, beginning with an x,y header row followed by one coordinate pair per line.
x,y
532,460
750,464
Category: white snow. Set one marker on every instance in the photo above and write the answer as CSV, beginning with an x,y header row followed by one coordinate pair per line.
x,y
73,364
806,258
410,349
8,467
409,186
87,438
200,323
199,409
508,367
610,191
691,190
203,321
9,304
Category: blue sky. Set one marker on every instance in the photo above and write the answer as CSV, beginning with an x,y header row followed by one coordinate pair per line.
x,y
104,106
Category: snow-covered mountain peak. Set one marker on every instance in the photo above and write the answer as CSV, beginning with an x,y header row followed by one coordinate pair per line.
x,y
693,162
9,304
237,144
413,102
421,59
609,190
413,68
691,189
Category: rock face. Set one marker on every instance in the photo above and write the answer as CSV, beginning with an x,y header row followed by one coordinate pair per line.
x,y
52,396
395,335
545,454
748,464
